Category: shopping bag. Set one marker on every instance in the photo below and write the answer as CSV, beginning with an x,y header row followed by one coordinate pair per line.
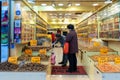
x,y
66,48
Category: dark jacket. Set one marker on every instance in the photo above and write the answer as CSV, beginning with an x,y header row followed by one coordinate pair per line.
x,y
61,40
71,38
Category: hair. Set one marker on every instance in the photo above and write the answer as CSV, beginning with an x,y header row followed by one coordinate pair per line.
x,y
70,26
58,35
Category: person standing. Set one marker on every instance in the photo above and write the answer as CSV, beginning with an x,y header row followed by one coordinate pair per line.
x,y
61,39
71,38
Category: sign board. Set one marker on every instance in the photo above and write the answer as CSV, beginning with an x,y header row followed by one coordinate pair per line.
x,y
42,51
117,60
12,60
18,12
33,42
35,59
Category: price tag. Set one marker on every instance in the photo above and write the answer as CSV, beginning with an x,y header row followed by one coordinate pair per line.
x,y
12,60
117,60
33,42
102,60
42,51
35,59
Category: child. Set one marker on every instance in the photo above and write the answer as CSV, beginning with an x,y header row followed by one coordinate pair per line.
x,y
53,58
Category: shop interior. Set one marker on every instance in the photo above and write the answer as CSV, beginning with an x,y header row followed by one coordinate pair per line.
x,y
29,24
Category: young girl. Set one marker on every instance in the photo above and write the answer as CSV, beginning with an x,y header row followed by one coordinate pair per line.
x,y
53,58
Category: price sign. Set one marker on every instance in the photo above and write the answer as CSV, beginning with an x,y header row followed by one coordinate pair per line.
x,y
117,60
33,42
35,59
42,51
102,60
12,60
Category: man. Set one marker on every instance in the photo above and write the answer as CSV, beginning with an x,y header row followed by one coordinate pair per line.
x,y
71,38
61,39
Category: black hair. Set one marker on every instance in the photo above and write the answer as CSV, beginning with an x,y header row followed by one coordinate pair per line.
x,y
70,26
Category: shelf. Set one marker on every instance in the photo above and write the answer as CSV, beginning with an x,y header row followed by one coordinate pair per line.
x,y
108,39
111,30
41,28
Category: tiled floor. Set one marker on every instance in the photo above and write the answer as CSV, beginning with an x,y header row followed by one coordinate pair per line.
x,y
58,52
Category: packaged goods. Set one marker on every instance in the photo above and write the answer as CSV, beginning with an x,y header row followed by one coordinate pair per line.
x,y
106,67
34,67
6,66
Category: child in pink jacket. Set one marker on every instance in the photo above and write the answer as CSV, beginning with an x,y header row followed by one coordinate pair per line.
x,y
53,58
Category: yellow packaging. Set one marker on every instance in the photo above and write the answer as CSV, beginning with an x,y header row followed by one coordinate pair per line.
x,y
12,60
35,60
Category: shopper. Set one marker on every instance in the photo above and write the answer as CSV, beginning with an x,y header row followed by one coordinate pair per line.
x,y
53,37
71,38
61,39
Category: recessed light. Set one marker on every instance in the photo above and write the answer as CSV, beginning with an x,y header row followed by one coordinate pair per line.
x,y
60,13
50,14
95,4
108,1
69,4
53,5
60,4
77,4
43,4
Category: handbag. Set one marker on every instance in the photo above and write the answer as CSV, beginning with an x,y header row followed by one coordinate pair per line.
x,y
66,48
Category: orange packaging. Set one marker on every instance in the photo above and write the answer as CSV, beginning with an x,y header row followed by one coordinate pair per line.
x,y
35,60
42,51
12,60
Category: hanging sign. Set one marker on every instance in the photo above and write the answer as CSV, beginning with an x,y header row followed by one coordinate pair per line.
x,y
35,59
12,60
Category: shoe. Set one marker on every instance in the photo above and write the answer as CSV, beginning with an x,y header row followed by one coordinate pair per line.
x,y
63,65
69,71
60,63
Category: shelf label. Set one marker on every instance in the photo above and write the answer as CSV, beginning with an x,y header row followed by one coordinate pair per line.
x,y
42,51
33,42
102,60
12,60
35,59
117,60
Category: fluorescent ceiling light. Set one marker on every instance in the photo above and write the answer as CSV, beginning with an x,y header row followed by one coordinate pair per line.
x,y
43,4
69,4
30,1
108,1
60,4
77,4
53,5
60,13
95,4
50,14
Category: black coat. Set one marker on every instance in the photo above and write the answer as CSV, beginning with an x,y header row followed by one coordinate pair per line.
x,y
71,38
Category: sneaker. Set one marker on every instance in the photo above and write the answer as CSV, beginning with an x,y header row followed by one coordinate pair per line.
x,y
63,65
60,63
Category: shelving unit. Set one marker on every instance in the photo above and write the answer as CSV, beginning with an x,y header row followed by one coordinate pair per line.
x,y
31,24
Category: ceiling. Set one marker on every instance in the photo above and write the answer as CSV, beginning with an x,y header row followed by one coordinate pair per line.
x,y
59,16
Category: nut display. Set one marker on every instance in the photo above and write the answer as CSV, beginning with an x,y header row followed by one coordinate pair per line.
x,y
6,66
106,67
24,57
43,57
35,67
111,57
